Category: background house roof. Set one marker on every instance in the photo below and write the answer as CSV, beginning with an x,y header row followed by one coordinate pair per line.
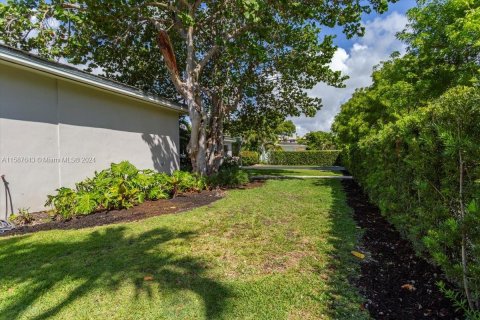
x,y
25,60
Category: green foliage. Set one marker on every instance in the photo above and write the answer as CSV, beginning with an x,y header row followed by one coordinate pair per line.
x,y
182,181
411,139
22,217
249,158
121,186
230,162
459,302
310,158
228,177
64,202
286,128
319,140
423,171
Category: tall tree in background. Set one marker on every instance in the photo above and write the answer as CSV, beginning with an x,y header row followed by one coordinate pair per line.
x,y
286,129
263,39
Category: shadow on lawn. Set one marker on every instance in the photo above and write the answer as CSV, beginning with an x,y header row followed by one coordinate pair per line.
x,y
104,260
344,301
270,172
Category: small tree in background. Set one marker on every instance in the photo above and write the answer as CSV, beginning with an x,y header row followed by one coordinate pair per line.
x,y
319,140
286,129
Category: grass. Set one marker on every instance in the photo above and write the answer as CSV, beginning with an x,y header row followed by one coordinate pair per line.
x,y
291,171
281,251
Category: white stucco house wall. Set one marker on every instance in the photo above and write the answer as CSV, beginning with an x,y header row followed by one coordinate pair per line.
x,y
291,146
58,125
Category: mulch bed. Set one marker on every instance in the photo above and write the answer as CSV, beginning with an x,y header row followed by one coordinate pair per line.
x,y
396,283
182,202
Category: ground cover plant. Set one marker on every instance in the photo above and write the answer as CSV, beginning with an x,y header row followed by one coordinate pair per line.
x,y
121,186
228,177
281,251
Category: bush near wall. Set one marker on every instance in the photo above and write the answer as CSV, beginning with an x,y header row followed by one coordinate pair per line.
x,y
121,186
249,158
305,158
423,171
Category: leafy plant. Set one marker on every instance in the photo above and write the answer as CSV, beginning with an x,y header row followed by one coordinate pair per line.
x,y
63,202
183,181
249,158
459,302
121,186
22,217
423,171
228,177
230,162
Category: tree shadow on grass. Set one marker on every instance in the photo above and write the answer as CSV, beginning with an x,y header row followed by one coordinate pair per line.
x,y
344,300
103,260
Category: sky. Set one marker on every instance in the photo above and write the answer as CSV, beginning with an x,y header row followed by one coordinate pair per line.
x,y
356,58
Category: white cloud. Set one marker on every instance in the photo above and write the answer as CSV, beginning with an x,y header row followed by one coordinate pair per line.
x,y
376,46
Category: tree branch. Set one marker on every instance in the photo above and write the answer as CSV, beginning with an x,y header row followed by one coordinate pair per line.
x,y
196,5
72,6
185,3
216,48
162,5
213,50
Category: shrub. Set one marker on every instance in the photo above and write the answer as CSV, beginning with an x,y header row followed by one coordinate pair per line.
x,y
306,158
121,186
423,172
183,181
22,217
230,162
228,177
249,158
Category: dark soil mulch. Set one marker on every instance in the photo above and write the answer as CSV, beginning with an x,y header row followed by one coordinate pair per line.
x,y
145,210
396,283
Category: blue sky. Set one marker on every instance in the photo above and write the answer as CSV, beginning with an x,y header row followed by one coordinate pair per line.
x,y
400,7
356,58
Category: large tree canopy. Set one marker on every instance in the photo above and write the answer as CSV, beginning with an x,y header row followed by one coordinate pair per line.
x,y
222,57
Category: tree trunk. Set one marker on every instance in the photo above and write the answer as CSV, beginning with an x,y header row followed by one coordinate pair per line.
x,y
189,89
197,144
215,151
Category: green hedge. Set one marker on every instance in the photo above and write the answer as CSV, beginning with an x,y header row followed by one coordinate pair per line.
x,y
423,171
249,158
306,158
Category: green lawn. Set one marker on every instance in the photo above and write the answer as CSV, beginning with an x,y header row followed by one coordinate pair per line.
x,y
291,171
281,251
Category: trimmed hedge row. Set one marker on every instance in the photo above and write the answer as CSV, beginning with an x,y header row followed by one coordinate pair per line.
x,y
423,171
249,158
306,158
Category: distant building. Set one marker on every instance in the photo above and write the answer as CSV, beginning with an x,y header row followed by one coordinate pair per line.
x,y
290,143
228,146
292,146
